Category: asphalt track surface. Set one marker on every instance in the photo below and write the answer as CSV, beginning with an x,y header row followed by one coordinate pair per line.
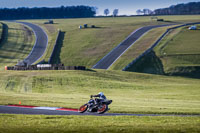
x,y
52,111
40,43
111,57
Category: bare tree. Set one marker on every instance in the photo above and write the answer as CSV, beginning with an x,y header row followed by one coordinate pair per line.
x,y
139,12
115,12
106,12
147,11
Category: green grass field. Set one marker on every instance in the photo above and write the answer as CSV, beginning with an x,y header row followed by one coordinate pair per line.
x,y
182,49
87,46
17,45
131,92
80,45
100,124
176,54
179,49
138,48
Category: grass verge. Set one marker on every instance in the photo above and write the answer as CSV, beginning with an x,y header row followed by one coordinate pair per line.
x,y
17,44
179,51
91,124
52,33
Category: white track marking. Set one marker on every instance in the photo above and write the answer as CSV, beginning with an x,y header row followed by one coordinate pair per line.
x,y
46,108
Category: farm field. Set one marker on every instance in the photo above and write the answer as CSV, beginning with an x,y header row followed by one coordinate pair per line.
x,y
17,44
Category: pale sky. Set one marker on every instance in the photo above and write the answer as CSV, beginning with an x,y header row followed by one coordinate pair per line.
x,y
126,7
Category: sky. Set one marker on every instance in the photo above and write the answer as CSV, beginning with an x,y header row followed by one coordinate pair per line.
x,y
126,7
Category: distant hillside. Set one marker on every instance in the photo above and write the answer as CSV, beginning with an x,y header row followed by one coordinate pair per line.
x,y
180,9
47,13
177,54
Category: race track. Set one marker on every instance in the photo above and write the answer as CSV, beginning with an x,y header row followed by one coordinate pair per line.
x,y
105,63
40,43
31,110
111,57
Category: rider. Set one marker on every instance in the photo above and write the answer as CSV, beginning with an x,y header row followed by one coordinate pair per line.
x,y
101,98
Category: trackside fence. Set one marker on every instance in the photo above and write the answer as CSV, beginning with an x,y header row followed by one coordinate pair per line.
x,y
45,67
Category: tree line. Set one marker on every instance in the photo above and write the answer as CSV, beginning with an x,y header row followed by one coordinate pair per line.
x,y
180,9
47,13
191,8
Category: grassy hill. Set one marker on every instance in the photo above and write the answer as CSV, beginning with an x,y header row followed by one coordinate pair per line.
x,y
180,54
131,92
177,54
138,48
61,88
17,44
87,46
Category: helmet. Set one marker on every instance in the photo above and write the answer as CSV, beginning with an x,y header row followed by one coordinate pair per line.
x,y
101,93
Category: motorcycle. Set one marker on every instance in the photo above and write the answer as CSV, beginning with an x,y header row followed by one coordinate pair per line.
x,y
94,106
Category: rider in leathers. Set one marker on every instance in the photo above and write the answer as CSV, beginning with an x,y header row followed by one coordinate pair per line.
x,y
101,98
97,101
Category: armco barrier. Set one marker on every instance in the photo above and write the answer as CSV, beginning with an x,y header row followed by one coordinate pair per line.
x,y
155,44
45,67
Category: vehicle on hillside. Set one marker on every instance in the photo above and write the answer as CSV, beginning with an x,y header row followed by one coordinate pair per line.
x,y
94,106
192,27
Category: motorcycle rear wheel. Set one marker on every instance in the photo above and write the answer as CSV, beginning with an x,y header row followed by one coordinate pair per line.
x,y
83,108
102,109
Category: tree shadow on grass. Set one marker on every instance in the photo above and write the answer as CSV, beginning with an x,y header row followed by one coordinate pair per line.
x,y
91,70
169,21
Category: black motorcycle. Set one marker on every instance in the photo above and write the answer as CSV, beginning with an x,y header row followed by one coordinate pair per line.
x,y
95,105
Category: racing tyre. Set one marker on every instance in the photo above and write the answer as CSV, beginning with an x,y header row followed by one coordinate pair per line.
x,y
102,109
83,108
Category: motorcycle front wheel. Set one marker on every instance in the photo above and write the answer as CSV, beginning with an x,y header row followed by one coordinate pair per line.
x,y
83,108
102,109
